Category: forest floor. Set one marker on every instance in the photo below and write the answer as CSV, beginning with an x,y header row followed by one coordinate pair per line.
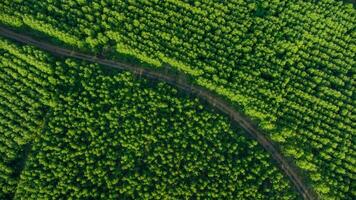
x,y
181,81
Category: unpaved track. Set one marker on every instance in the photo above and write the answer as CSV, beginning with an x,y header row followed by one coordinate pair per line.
x,y
181,82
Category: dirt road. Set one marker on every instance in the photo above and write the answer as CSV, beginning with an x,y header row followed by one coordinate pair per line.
x,y
180,82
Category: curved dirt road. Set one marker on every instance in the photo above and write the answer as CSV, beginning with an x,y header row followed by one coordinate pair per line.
x,y
181,82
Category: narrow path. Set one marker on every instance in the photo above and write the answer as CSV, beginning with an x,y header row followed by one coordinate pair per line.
x,y
181,82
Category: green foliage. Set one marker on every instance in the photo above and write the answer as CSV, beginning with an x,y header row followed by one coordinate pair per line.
x,y
115,136
288,64
23,81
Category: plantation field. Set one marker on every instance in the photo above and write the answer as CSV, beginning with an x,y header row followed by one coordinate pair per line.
x,y
289,65
24,95
77,130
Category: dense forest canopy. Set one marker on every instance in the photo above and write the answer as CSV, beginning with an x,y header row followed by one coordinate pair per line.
x,y
84,132
289,65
